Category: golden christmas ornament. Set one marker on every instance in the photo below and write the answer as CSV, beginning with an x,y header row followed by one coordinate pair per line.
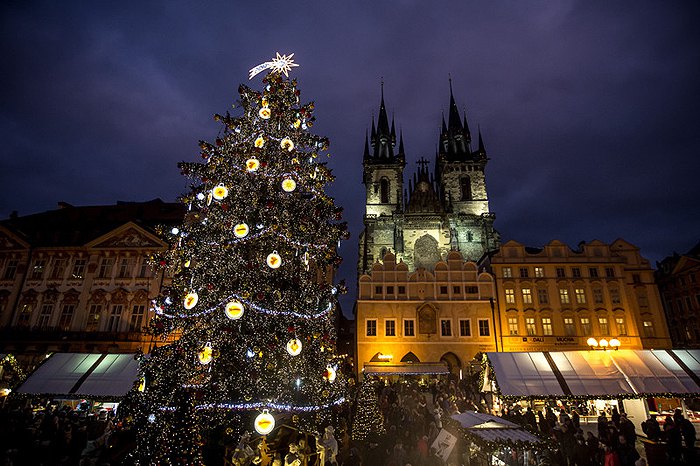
x,y
287,143
329,374
187,263
259,142
297,124
220,192
274,260
265,113
142,385
294,346
252,164
234,310
264,423
191,300
241,230
206,354
289,185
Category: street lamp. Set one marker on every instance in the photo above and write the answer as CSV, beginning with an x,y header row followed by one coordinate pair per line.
x,y
603,344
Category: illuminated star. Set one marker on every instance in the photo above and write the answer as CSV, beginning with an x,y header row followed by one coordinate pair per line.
x,y
283,63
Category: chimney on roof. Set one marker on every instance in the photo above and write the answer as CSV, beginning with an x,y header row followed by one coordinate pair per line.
x,y
63,205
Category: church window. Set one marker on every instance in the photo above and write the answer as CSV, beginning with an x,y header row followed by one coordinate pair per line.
x,y
484,330
466,188
446,327
390,328
384,191
547,326
465,328
371,328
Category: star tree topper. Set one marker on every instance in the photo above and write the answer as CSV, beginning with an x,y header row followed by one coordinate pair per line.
x,y
279,64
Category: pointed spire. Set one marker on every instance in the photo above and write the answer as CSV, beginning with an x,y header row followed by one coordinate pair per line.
x,y
467,132
454,120
482,150
374,131
393,130
401,150
444,126
366,154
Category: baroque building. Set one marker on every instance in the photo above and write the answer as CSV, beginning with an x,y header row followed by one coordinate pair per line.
x,y
555,298
77,279
422,300
678,278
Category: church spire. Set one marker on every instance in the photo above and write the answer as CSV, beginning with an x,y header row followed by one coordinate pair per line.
x,y
482,150
383,137
366,153
454,122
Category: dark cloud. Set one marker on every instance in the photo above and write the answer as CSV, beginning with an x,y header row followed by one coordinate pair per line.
x,y
589,110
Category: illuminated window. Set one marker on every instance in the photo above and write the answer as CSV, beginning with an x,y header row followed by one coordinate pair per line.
x,y
648,328
24,315
136,320
543,296
78,269
38,269
513,325
390,328
621,327
371,328
586,326
569,328
597,295
484,330
530,326
510,295
409,328
507,272
539,272
527,296
465,328
93,317
603,324
580,296
446,327
547,325
564,296
66,317
523,272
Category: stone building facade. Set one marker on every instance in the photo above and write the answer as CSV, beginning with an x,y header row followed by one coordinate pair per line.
x,y
77,279
555,298
678,278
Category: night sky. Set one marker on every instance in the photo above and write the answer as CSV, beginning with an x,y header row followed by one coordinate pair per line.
x,y
589,109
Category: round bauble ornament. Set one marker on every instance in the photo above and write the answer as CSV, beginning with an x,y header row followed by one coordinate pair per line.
x,y
265,113
289,185
234,310
252,164
206,354
274,260
191,300
287,144
241,230
259,142
264,423
142,385
329,374
297,124
294,346
220,192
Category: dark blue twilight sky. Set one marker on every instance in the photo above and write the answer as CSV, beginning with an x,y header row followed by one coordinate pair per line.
x,y
589,109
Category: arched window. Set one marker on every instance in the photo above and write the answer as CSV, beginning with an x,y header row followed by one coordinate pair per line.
x,y
466,187
384,191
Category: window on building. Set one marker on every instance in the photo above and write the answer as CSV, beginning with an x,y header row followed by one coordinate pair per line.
x,y
527,296
443,290
136,319
609,272
530,326
389,290
390,328
125,266
456,289
560,272
547,326
115,317
593,272
465,328
371,327
513,325
510,295
614,295
446,327
66,317
45,316
78,269
621,327
507,272
524,272
586,326
144,268
59,267
409,328
11,269
603,325
576,272
465,188
25,316
38,269
597,295
106,265
484,330
648,328
402,289
564,296
471,289
384,191
580,295
94,315
539,272
636,278
543,296
569,327
377,290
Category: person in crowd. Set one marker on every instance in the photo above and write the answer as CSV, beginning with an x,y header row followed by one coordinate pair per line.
x,y
651,428
626,452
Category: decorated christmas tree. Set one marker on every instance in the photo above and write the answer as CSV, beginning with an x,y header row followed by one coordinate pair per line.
x,y
369,422
251,301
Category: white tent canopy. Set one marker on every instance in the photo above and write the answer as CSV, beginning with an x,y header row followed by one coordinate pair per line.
x,y
603,374
83,375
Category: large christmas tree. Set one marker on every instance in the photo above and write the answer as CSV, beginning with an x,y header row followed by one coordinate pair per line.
x,y
251,301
